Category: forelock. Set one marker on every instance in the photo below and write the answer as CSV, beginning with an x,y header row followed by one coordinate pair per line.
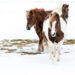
x,y
54,16
65,6
27,13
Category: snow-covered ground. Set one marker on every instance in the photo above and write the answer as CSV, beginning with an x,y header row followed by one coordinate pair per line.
x,y
18,58
14,60
14,64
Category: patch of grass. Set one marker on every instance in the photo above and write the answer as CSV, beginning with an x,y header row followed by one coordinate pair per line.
x,y
31,41
17,44
29,53
8,45
69,42
27,41
15,40
24,40
10,50
3,48
20,43
36,41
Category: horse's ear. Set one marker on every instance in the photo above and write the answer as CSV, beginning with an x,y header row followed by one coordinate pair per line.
x,y
57,16
27,13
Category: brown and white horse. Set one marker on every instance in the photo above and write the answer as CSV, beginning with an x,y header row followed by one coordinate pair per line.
x,y
55,30
36,17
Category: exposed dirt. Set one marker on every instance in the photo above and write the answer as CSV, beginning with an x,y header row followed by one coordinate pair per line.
x,y
22,46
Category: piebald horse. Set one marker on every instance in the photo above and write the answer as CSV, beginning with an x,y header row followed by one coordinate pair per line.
x,y
55,30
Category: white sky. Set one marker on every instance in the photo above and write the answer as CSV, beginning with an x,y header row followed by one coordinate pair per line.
x,y
13,20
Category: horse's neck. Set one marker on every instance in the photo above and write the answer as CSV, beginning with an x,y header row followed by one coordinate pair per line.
x,y
59,11
63,26
63,21
64,18
38,28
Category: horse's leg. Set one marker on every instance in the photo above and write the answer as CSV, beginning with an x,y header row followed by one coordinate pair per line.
x,y
51,54
58,52
38,29
40,46
52,50
44,41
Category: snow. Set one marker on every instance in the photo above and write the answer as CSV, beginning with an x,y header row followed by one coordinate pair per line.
x,y
13,26
39,64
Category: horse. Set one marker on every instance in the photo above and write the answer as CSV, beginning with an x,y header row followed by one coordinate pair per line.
x,y
36,17
54,28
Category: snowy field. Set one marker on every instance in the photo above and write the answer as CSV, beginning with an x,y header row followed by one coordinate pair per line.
x,y
20,57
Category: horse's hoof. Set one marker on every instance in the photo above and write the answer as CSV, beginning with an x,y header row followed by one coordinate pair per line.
x,y
39,52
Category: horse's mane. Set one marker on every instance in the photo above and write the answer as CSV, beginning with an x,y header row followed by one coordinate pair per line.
x,y
38,10
58,10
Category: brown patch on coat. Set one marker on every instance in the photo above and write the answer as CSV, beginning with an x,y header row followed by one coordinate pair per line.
x,y
59,34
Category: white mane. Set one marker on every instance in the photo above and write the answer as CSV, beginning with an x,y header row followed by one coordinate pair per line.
x,y
58,10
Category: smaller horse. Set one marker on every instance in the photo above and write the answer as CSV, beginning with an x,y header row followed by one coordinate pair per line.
x,y
36,17
54,29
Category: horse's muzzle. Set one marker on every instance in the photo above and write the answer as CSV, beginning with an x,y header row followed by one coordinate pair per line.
x,y
53,35
28,28
66,17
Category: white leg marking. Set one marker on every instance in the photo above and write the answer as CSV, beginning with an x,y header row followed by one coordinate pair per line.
x,y
58,52
52,51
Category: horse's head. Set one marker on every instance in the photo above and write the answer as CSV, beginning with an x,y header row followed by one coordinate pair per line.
x,y
35,16
31,20
54,23
65,10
